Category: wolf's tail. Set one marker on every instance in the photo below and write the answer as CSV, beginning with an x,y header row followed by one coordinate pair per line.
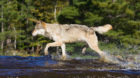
x,y
102,29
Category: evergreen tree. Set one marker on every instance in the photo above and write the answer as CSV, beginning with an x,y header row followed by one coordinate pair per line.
x,y
123,15
16,28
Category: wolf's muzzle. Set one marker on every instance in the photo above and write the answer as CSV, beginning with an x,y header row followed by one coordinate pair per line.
x,y
33,33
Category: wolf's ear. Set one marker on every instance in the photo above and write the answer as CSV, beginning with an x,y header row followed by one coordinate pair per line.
x,y
43,24
38,22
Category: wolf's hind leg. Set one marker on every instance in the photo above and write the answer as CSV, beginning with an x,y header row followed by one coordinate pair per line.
x,y
84,49
51,45
93,44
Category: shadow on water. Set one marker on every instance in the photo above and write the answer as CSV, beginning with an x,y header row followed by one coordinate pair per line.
x,y
45,67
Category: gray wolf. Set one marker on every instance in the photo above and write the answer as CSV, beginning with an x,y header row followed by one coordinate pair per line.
x,y
68,33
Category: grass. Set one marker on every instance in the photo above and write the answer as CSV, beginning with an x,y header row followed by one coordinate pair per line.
x,y
74,50
17,53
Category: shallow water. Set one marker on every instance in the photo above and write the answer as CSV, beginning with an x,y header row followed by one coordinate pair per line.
x,y
45,67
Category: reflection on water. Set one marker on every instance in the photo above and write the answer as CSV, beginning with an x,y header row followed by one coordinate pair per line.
x,y
45,67
45,73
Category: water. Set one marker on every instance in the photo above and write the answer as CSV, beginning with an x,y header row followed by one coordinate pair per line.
x,y
45,67
134,63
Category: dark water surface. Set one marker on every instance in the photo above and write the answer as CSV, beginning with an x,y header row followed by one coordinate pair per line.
x,y
45,67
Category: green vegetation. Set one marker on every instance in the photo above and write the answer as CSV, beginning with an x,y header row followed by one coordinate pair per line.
x,y
123,15
15,27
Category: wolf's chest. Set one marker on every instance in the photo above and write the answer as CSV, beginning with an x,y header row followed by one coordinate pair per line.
x,y
56,37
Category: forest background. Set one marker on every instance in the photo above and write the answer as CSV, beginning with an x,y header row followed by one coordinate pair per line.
x,y
16,28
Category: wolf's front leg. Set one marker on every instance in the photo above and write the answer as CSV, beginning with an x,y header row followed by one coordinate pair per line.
x,y
64,55
51,45
46,50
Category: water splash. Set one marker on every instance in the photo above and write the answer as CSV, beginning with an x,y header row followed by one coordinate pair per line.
x,y
125,63
134,63
106,57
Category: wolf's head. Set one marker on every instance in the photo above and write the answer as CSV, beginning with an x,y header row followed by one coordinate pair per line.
x,y
39,28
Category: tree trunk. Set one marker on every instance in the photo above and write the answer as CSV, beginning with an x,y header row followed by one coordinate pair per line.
x,y
113,1
32,49
38,48
2,27
55,11
15,41
70,2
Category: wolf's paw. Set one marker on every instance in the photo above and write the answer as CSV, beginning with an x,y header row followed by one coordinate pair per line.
x,y
46,52
66,57
109,58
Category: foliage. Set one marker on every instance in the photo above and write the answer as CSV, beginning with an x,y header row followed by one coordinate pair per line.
x,y
121,14
15,15
16,28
